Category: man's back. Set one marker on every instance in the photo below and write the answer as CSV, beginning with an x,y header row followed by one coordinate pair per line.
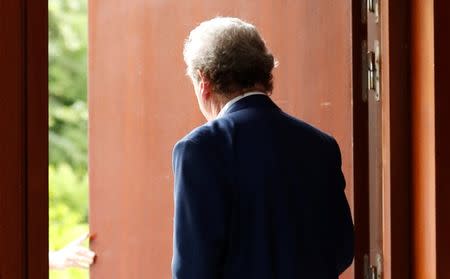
x,y
259,194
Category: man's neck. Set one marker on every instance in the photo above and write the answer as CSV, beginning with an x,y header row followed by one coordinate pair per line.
x,y
221,100
236,99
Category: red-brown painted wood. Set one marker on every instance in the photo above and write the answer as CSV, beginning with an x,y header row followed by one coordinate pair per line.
x,y
431,135
396,137
423,147
23,141
37,138
141,103
442,109
12,192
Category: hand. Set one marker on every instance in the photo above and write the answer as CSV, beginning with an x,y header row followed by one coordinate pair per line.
x,y
73,255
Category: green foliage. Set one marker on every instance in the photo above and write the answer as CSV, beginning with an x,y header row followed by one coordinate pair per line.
x,y
68,191
67,83
68,114
67,212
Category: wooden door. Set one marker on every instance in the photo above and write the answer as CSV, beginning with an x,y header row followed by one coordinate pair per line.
x,y
141,103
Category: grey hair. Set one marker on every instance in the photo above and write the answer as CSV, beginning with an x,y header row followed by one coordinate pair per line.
x,y
230,53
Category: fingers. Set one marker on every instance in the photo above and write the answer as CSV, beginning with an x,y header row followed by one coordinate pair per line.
x,y
81,257
73,255
80,240
80,262
85,252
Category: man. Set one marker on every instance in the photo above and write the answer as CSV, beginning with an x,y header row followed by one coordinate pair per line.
x,y
258,193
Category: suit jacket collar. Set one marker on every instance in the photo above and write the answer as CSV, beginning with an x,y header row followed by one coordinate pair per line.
x,y
254,101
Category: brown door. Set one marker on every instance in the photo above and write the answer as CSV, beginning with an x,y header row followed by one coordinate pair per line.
x,y
141,103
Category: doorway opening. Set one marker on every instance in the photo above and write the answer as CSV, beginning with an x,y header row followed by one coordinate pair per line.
x,y
68,116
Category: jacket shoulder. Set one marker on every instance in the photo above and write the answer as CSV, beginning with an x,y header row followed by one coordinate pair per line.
x,y
310,130
208,133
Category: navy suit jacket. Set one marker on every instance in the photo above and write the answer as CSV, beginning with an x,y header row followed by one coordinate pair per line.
x,y
259,195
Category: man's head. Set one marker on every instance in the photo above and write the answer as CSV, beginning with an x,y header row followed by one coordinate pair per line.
x,y
226,57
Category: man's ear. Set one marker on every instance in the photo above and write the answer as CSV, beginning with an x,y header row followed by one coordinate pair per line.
x,y
205,86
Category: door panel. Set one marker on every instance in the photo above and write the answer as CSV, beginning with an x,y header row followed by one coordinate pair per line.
x,y
141,103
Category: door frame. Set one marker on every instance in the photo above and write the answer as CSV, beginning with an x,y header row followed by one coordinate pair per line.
x,y
396,137
24,143
395,131
360,138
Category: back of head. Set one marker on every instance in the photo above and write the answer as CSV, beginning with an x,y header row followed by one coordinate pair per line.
x,y
231,54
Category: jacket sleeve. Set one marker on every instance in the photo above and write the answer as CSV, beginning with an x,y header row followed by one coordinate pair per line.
x,y
344,232
199,213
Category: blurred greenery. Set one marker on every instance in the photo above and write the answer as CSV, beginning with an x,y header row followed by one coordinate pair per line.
x,y
67,83
68,114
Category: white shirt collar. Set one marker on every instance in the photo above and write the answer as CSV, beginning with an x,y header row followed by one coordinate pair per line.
x,y
234,100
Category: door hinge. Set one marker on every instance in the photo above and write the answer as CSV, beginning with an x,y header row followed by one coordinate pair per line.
x,y
373,70
373,7
373,271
